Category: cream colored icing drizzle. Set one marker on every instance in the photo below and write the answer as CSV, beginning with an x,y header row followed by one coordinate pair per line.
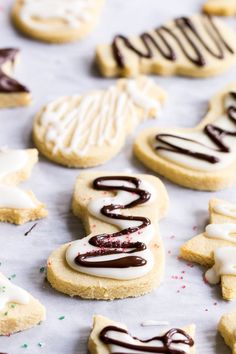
x,y
82,246
225,159
226,210
11,293
12,161
77,124
72,12
221,231
225,264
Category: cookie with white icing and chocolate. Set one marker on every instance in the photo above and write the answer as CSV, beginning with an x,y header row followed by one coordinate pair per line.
x,y
56,21
109,337
12,92
227,328
200,158
123,255
197,46
18,206
88,130
220,7
18,309
216,247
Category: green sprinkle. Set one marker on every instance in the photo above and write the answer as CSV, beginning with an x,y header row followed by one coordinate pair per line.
x,y
24,346
6,313
61,318
12,306
41,344
12,277
42,270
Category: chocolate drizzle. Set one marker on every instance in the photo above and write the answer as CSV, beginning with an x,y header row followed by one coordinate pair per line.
x,y
167,341
104,242
214,133
160,41
7,83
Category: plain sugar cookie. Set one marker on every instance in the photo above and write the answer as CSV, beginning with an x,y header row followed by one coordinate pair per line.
x,y
88,130
12,93
227,328
198,46
220,7
18,206
216,247
18,309
200,158
123,254
109,337
56,21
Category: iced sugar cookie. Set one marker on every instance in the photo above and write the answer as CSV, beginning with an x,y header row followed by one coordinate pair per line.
x,y
88,130
201,158
56,20
193,46
220,7
216,247
18,309
227,328
12,93
16,205
122,256
109,337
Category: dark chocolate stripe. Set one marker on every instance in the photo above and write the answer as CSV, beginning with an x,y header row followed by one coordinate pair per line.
x,y
161,39
167,341
104,242
214,133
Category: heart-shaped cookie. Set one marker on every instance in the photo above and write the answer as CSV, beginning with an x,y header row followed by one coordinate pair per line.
x,y
227,328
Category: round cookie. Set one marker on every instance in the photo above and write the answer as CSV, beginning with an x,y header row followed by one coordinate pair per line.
x,y
56,21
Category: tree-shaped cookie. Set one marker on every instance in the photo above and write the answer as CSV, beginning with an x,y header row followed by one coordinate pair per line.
x,y
227,328
216,247
203,157
193,46
88,130
12,93
123,255
18,309
16,205
220,7
56,21
109,337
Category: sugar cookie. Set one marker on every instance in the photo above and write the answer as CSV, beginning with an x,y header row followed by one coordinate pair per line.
x,y
18,309
12,93
56,21
88,130
123,255
227,328
109,337
216,247
220,7
193,46
201,158
16,205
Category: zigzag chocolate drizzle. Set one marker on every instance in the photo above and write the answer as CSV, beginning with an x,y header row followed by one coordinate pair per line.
x,y
160,42
215,133
7,83
167,340
104,242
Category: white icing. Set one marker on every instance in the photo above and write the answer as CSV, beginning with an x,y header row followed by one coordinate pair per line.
x,y
72,12
12,161
150,323
77,124
127,338
221,231
225,264
209,147
15,198
226,209
145,235
11,293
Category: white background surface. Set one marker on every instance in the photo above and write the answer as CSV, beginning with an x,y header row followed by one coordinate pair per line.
x,y
54,70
